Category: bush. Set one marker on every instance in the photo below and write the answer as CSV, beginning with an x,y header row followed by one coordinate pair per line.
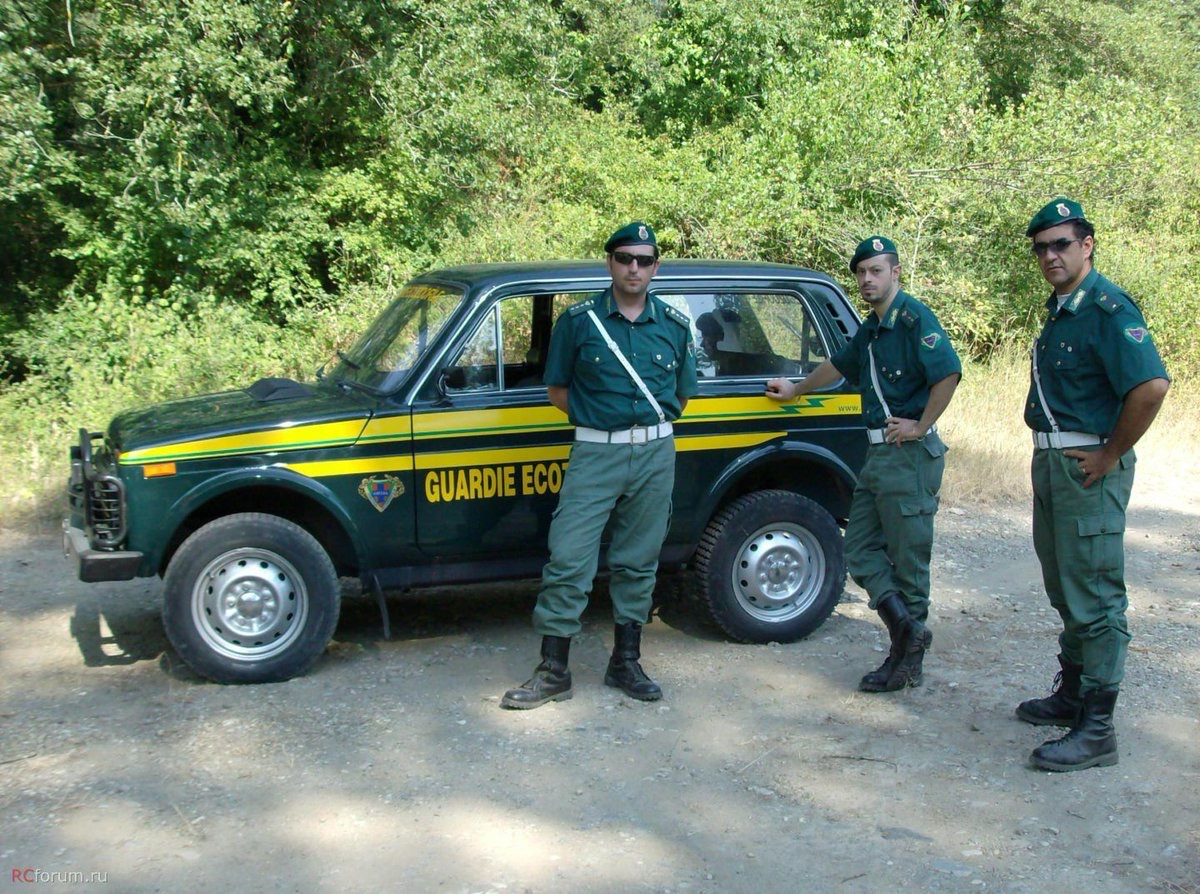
x,y
180,183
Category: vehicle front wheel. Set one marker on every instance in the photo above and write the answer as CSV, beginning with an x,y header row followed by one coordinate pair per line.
x,y
770,567
250,598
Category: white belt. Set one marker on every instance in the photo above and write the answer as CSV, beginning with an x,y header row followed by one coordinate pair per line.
x,y
879,435
639,434
1058,440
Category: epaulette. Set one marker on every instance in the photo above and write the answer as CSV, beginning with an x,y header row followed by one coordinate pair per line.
x,y
581,307
678,316
908,318
1112,303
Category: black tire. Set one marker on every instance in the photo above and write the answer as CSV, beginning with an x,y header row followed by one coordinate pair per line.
x,y
770,567
250,598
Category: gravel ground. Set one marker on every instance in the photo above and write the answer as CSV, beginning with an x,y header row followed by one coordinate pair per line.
x,y
391,767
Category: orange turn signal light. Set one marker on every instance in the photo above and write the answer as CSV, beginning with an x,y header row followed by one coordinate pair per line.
x,y
158,470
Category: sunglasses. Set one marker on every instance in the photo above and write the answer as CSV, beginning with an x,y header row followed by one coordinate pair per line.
x,y
1058,246
624,258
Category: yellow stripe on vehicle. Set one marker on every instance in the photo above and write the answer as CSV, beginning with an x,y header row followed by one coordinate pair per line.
x,y
387,428
304,437
728,408
688,443
479,423
333,467
500,456
494,421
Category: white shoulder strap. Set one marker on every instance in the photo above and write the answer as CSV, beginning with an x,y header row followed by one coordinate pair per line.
x,y
637,380
1037,381
887,411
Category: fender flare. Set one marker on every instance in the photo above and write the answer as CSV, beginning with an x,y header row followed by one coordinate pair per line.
x,y
786,450
262,476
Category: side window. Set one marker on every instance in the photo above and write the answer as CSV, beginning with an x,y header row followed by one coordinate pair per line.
x,y
523,340
507,351
476,368
748,334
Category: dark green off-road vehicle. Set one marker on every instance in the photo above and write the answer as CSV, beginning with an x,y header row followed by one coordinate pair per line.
x,y
428,454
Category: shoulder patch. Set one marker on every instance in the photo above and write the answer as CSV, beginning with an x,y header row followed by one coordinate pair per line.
x,y
908,318
1137,334
930,340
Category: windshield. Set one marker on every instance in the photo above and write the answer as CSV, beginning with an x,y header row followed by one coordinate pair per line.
x,y
392,345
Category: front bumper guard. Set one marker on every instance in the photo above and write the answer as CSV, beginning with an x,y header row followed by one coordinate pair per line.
x,y
97,565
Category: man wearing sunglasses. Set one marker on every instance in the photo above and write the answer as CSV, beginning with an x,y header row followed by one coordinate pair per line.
x,y
906,369
622,366
1096,384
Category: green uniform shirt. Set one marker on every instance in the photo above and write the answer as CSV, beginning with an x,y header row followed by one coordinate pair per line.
x,y
601,394
912,353
1090,354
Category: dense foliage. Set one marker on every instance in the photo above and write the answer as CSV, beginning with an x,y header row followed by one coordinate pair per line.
x,y
197,192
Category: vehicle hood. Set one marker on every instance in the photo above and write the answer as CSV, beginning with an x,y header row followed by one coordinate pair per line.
x,y
239,422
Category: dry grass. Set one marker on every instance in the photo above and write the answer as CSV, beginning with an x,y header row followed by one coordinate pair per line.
x,y
985,429
990,445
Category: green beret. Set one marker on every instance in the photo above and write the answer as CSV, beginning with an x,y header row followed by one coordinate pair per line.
x,y
1060,211
636,233
870,247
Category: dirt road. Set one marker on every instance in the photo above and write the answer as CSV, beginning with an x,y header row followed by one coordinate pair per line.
x,y
391,767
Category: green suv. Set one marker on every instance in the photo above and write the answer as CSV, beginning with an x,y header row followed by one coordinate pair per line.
x,y
428,454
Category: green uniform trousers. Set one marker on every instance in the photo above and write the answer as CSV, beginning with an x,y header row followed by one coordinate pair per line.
x,y
889,536
631,484
1079,537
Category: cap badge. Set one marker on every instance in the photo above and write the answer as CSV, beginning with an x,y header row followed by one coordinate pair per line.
x,y
1063,210
643,233
877,245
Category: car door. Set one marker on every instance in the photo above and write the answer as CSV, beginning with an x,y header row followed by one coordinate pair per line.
x,y
490,451
747,332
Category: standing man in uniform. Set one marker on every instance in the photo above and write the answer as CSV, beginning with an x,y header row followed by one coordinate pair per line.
x,y
1096,385
902,362
622,366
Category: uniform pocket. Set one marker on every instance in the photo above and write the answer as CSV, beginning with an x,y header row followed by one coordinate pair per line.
x,y
598,354
1065,357
1095,525
934,445
665,360
1105,536
919,506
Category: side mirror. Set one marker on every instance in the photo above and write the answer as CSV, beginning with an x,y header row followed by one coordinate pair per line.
x,y
442,386
452,377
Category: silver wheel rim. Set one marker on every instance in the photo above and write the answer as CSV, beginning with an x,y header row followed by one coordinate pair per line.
x,y
249,604
778,572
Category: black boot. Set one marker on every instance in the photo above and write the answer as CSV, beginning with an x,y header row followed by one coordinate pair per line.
x,y
1092,741
910,639
551,681
876,680
1061,707
624,672
907,671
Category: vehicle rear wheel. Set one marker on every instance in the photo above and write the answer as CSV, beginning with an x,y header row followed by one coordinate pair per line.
x,y
770,567
250,598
